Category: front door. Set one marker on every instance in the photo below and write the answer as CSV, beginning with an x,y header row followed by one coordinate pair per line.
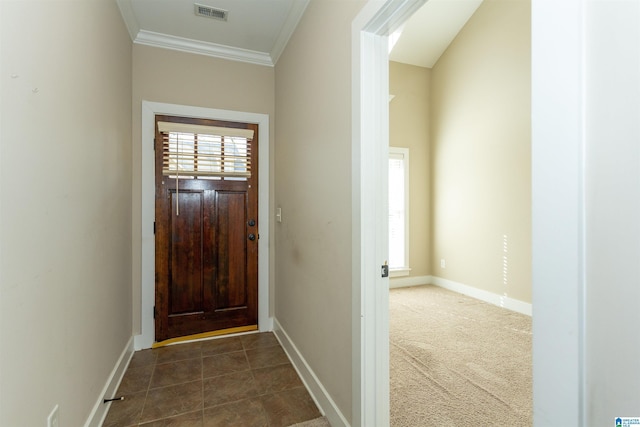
x,y
206,227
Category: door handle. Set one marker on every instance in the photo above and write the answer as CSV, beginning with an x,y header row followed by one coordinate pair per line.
x,y
252,237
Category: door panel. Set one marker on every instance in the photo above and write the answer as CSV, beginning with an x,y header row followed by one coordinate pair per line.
x,y
186,242
232,240
206,264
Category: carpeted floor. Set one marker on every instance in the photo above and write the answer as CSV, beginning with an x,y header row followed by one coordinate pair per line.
x,y
457,361
316,422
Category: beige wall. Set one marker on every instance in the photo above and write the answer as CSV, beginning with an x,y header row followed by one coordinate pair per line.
x,y
409,128
313,182
66,206
167,76
481,152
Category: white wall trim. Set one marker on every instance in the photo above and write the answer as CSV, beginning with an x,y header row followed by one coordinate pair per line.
x,y
471,291
558,211
406,162
293,18
370,142
405,282
482,295
149,110
129,17
150,38
320,395
100,409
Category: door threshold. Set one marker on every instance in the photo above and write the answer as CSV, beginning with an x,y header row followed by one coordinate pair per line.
x,y
204,335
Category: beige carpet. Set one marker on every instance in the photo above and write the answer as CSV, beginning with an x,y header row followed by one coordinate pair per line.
x,y
457,361
317,422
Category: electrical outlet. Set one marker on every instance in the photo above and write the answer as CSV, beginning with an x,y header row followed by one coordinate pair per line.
x,y
443,263
52,419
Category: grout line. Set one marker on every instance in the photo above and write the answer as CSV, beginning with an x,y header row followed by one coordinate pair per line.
x,y
146,395
202,381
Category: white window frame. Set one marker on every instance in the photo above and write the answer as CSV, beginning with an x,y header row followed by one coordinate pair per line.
x,y
405,270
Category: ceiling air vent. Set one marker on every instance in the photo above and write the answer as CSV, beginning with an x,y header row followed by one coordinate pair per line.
x,y
211,12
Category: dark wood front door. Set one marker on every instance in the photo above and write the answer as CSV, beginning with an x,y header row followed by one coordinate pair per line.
x,y
206,235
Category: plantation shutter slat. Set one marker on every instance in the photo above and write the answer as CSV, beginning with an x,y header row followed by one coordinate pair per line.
x,y
191,150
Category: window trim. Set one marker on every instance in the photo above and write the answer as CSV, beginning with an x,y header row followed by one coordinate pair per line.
x,y
404,270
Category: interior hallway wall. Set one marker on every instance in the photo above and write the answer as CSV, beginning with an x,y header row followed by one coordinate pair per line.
x,y
313,182
409,128
65,195
172,77
481,152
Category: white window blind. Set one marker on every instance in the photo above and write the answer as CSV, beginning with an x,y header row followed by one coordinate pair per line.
x,y
190,150
398,208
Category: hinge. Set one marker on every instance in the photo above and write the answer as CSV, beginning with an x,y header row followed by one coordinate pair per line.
x,y
154,227
155,312
385,270
154,144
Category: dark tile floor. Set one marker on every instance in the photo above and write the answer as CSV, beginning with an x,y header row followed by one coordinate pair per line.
x,y
242,381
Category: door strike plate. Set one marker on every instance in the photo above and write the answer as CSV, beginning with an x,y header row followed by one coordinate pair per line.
x,y
385,270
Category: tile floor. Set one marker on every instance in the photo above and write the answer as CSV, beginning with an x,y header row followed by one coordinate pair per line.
x,y
240,381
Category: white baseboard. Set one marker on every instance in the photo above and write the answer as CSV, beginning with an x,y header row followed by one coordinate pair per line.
x,y
100,409
404,282
266,325
482,295
319,394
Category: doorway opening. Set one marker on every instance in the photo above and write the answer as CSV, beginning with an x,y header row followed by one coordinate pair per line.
x,y
206,227
146,336
476,199
557,182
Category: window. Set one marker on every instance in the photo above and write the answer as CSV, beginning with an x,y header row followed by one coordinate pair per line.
x,y
399,211
191,151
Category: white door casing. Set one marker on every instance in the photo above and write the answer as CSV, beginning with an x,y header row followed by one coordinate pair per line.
x,y
149,109
370,121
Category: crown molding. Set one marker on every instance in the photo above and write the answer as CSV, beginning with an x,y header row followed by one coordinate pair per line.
x,y
129,17
295,14
151,38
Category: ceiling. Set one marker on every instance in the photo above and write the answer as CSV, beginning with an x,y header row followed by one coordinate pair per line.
x,y
428,33
257,31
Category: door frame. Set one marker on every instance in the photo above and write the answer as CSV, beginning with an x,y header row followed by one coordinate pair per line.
x,y
149,111
370,158
557,144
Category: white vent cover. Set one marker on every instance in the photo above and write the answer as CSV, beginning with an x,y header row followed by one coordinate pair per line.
x,y
211,12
